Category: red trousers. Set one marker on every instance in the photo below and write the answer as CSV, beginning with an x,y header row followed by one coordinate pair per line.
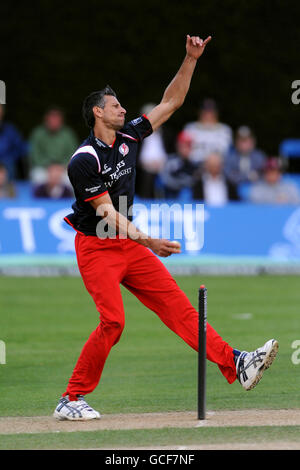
x,y
104,265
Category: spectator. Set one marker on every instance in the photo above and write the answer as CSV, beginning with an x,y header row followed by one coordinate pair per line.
x,y
152,158
52,141
272,190
209,135
54,187
12,146
211,186
178,171
7,189
244,162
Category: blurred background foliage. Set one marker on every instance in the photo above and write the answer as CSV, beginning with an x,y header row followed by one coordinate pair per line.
x,y
56,53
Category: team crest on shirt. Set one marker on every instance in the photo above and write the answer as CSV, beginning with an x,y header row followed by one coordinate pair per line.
x,y
123,149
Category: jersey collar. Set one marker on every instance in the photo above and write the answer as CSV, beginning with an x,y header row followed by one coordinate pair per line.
x,y
99,142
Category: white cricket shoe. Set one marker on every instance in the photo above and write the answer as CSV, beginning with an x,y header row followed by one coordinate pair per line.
x,y
75,410
250,366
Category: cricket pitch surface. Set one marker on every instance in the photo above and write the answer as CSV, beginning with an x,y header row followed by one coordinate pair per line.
x,y
180,419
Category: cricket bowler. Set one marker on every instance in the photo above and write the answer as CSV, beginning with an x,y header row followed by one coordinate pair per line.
x,y
102,173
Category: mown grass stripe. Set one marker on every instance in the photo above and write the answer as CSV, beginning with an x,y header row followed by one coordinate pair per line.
x,y
150,437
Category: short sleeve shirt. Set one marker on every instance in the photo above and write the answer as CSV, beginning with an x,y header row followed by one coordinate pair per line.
x,y
97,168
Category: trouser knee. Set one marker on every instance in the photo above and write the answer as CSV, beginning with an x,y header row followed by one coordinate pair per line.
x,y
113,329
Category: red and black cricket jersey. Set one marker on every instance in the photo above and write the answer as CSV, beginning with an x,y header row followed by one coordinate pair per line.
x,y
96,168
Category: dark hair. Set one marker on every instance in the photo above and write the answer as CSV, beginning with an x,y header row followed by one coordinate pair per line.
x,y
97,98
54,108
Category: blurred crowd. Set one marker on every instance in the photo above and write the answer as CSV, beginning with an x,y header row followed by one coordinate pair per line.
x,y
213,164
208,162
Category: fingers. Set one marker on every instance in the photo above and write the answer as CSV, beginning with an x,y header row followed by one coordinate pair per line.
x,y
164,254
207,40
164,247
191,40
173,244
196,41
171,247
169,252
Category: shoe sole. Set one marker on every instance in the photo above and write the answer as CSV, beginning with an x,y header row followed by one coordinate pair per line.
x,y
269,360
63,418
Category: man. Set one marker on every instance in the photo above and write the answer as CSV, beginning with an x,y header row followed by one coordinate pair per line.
x,y
54,186
209,134
211,185
178,173
52,141
101,171
12,146
7,189
244,162
272,189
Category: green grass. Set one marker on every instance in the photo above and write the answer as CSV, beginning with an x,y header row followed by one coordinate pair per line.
x,y
45,322
151,437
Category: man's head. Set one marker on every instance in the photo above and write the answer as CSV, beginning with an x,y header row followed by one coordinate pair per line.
x,y
184,145
3,175
272,173
103,106
208,112
54,119
55,173
245,140
213,164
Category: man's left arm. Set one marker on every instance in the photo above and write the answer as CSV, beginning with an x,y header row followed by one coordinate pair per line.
x,y
176,92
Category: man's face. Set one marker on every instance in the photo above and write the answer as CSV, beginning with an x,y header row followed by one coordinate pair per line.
x,y
184,149
54,120
213,164
3,176
245,145
55,174
208,116
272,176
113,114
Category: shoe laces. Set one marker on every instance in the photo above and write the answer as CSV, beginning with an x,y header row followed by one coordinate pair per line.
x,y
255,360
83,404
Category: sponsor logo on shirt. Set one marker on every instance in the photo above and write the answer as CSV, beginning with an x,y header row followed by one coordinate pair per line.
x,y
123,149
119,171
99,143
118,166
106,169
136,121
92,190
115,176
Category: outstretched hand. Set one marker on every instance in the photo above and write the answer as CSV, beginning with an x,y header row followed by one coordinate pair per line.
x,y
163,247
195,46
